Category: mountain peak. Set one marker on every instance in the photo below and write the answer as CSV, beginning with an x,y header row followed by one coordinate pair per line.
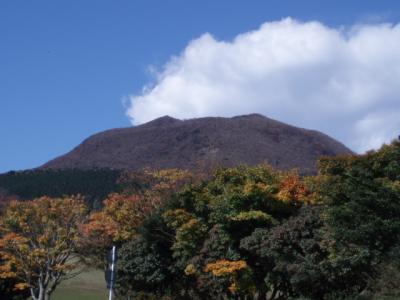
x,y
164,120
167,142
252,116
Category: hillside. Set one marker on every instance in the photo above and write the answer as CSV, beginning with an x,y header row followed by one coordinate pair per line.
x,y
202,143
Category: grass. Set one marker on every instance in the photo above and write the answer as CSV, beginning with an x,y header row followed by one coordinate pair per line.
x,y
89,285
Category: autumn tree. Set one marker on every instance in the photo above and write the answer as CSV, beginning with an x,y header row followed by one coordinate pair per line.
x,y
39,242
236,272
157,183
114,224
123,212
197,234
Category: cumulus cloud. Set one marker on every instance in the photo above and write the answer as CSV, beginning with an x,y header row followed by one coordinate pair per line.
x,y
344,82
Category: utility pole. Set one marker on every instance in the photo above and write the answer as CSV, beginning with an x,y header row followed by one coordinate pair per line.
x,y
110,273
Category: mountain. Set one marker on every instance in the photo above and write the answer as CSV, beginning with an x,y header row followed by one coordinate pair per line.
x,y
202,143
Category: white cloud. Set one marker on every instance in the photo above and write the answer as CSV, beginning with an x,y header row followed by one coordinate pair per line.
x,y
345,83
376,129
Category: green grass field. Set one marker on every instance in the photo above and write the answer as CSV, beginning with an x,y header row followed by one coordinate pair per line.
x,y
89,285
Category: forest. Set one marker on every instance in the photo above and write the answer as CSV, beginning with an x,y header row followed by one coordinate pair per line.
x,y
236,233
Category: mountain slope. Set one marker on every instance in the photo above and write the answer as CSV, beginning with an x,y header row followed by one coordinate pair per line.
x,y
171,143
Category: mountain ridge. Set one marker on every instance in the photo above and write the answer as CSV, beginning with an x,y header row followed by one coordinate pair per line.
x,y
167,142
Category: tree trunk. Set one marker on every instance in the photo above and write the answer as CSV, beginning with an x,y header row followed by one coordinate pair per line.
x,y
33,295
274,293
40,294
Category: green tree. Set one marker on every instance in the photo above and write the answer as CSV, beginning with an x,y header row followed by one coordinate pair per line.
x,y
363,193
203,225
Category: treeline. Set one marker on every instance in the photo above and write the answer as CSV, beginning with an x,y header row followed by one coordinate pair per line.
x,y
93,184
243,233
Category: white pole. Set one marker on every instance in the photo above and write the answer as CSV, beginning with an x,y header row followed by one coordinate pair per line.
x,y
112,274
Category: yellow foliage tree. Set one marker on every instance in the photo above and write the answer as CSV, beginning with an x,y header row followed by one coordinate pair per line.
x,y
225,267
231,269
39,242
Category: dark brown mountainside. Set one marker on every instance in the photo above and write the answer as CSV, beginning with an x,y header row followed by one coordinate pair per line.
x,y
170,143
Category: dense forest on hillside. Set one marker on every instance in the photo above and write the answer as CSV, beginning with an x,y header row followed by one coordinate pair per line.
x,y
95,184
242,233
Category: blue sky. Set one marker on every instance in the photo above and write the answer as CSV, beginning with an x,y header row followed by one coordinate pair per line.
x,y
67,66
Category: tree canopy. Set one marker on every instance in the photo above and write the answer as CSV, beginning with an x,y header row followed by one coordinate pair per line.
x,y
38,244
242,233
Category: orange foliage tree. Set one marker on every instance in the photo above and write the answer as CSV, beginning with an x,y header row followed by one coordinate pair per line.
x,y
293,189
38,243
124,212
114,224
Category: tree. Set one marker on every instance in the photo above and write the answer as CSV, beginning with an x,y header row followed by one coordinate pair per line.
x,y
123,212
198,232
236,272
113,225
363,197
363,193
8,290
141,267
93,184
39,242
